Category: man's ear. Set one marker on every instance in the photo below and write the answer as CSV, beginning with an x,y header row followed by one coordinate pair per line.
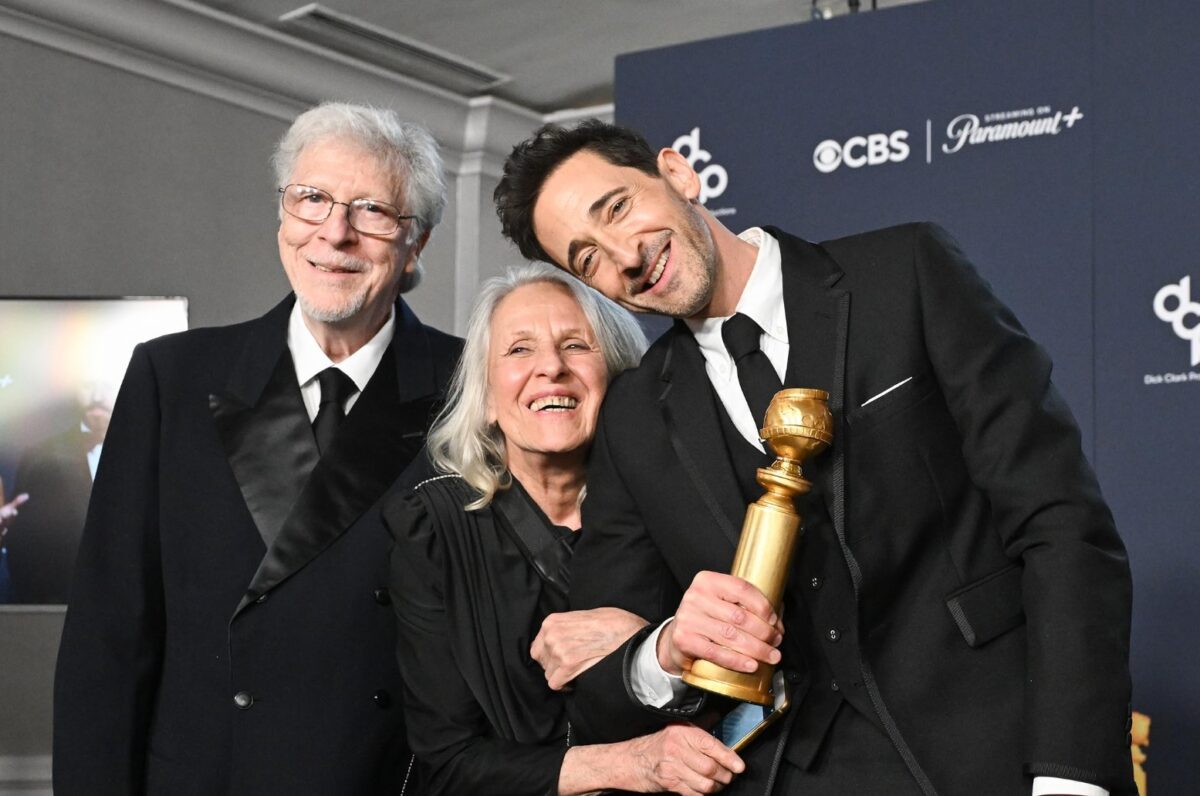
x,y
678,173
418,245
412,271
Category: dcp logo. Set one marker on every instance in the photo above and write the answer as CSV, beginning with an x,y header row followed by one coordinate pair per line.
x,y
713,178
1183,309
861,150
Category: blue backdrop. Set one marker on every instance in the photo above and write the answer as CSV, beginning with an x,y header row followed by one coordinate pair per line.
x,y
1056,142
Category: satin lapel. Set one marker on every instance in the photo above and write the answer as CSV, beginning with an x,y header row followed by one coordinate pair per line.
x,y
690,412
262,424
818,315
380,436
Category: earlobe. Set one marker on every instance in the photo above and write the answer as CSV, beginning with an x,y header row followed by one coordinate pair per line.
x,y
418,245
679,174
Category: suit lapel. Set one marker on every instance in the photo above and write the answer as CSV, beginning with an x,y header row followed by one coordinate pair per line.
x,y
382,434
694,426
262,424
818,314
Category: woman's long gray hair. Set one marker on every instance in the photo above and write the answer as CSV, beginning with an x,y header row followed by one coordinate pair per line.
x,y
462,440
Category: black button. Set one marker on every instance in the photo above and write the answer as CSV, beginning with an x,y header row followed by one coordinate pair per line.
x,y
383,699
834,685
793,677
262,598
243,700
382,597
833,634
816,583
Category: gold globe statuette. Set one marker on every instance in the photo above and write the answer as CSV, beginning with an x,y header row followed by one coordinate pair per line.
x,y
798,425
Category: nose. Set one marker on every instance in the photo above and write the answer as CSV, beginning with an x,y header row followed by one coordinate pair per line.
x,y
550,362
336,229
626,253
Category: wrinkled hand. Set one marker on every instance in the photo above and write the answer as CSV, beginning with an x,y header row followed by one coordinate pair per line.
x,y
723,620
570,643
682,759
9,510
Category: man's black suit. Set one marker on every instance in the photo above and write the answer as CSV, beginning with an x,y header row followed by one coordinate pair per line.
x,y
960,582
45,536
196,661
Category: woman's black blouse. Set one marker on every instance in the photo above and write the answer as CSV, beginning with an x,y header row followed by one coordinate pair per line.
x,y
469,600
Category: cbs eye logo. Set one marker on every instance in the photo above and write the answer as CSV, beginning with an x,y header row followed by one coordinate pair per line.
x,y
861,150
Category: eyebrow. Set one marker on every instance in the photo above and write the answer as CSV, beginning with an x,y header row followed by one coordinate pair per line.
x,y
593,211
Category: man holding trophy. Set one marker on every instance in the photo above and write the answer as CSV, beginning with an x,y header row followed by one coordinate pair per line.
x,y
953,614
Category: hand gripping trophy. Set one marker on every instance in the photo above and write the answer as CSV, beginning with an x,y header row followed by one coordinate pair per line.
x,y
798,425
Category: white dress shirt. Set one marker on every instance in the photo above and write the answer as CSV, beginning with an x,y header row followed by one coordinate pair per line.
x,y
762,300
93,453
309,359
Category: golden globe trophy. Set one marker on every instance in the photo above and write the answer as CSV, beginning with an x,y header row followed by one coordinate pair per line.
x,y
798,425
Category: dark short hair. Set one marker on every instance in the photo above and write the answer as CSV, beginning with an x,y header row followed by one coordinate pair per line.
x,y
533,161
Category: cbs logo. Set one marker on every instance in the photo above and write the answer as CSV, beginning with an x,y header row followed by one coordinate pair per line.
x,y
861,150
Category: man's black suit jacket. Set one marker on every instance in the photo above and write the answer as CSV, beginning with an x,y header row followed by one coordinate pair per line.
x,y
194,659
963,580
45,536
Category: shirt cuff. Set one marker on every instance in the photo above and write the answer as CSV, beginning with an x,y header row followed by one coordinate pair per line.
x,y
651,684
1052,786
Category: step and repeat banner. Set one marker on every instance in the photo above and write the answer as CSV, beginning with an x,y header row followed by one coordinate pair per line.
x,y
1056,142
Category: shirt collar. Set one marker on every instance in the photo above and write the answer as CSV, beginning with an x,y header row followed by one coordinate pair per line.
x,y
762,298
309,359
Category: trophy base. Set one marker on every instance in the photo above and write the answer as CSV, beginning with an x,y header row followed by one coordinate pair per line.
x,y
754,687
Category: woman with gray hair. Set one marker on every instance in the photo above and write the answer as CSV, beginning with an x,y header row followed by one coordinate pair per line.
x,y
482,557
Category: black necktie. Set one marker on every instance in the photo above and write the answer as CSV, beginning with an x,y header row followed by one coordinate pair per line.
x,y
756,374
336,387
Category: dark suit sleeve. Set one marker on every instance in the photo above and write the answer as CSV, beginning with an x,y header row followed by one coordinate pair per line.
x,y
447,729
111,651
1022,448
617,563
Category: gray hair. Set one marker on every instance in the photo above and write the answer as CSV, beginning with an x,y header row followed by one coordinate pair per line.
x,y
405,151
462,440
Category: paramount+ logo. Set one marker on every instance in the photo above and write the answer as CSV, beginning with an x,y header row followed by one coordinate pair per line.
x,y
861,150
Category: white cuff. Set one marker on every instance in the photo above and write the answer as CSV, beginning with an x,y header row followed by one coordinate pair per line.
x,y
651,684
1052,786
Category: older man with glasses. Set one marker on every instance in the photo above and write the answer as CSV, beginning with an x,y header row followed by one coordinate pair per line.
x,y
229,631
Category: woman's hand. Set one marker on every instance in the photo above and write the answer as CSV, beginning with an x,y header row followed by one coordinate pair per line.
x,y
572,642
676,759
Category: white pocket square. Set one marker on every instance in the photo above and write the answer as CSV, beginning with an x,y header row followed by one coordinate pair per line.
x,y
885,392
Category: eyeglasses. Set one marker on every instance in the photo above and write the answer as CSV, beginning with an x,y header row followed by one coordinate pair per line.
x,y
368,216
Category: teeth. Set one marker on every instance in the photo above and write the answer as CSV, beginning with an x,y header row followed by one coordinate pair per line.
x,y
332,269
657,273
555,402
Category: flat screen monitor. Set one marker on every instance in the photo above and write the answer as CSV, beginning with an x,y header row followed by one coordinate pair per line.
x,y
61,364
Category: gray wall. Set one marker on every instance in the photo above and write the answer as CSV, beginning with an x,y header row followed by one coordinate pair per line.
x,y
116,184
134,146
